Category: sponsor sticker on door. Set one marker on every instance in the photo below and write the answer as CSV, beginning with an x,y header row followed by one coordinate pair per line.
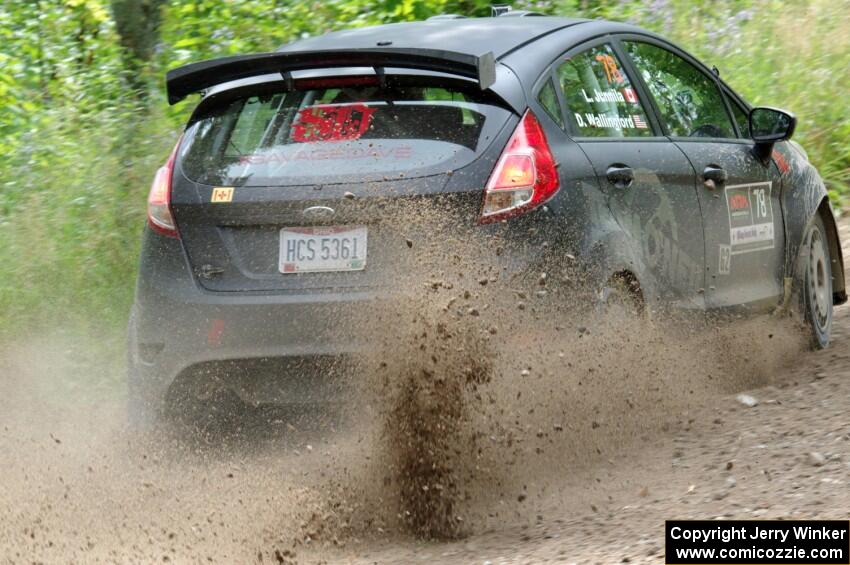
x,y
750,217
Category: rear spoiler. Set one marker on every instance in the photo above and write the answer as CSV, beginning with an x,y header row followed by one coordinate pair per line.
x,y
185,80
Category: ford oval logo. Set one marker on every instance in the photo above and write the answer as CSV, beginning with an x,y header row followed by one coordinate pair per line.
x,y
318,212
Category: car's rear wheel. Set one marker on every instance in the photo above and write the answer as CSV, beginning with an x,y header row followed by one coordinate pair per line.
x,y
816,284
622,296
217,413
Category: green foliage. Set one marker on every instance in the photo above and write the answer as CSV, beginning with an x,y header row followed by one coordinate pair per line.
x,y
792,55
71,205
84,124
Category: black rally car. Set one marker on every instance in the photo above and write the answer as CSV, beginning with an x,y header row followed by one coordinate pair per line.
x,y
657,170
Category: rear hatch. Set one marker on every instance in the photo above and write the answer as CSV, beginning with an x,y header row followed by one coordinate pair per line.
x,y
327,185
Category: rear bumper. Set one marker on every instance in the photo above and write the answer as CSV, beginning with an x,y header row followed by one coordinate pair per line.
x,y
175,325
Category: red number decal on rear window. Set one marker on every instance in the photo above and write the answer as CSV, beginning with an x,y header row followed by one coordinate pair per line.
x,y
332,123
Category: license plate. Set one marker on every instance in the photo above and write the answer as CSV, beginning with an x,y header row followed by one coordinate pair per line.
x,y
315,249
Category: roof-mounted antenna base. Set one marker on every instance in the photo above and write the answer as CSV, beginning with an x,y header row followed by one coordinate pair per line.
x,y
498,9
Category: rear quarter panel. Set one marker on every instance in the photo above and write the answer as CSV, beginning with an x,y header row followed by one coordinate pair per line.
x,y
586,226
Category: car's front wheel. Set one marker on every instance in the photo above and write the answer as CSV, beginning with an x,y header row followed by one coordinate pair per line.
x,y
816,284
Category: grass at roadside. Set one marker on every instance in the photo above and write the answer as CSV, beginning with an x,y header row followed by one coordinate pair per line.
x,y
792,55
71,211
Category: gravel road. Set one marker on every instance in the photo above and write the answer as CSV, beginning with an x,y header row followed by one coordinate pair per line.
x,y
591,482
788,456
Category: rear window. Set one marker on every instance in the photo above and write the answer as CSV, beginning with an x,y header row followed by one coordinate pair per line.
x,y
344,134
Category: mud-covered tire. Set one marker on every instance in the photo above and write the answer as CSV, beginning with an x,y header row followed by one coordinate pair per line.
x,y
141,416
815,283
622,295
222,414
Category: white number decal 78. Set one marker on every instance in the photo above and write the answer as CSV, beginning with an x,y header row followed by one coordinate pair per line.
x,y
761,202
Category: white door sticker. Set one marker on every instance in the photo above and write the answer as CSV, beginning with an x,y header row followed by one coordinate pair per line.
x,y
750,217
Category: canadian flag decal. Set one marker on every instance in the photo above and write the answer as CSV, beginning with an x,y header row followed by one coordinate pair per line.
x,y
630,95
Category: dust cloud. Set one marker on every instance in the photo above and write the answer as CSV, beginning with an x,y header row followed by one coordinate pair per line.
x,y
487,389
483,391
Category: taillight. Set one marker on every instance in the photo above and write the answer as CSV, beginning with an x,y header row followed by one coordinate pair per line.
x,y
525,175
160,217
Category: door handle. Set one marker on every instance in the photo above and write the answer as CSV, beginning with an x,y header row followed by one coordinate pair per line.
x,y
621,176
713,176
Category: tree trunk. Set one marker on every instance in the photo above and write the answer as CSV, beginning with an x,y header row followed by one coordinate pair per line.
x,y
137,23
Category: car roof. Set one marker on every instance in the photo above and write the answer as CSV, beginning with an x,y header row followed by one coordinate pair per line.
x,y
475,36
524,46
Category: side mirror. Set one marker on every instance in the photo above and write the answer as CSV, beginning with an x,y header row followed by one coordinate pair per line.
x,y
769,125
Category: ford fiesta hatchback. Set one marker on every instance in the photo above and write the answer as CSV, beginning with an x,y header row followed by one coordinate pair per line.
x,y
605,140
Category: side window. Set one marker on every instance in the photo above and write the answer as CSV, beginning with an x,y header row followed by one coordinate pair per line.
x,y
689,102
742,118
548,98
600,99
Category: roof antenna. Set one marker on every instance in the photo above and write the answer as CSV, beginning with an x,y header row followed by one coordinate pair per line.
x,y
288,82
498,9
382,76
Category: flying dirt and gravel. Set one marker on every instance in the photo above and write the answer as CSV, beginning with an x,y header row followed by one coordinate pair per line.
x,y
487,425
